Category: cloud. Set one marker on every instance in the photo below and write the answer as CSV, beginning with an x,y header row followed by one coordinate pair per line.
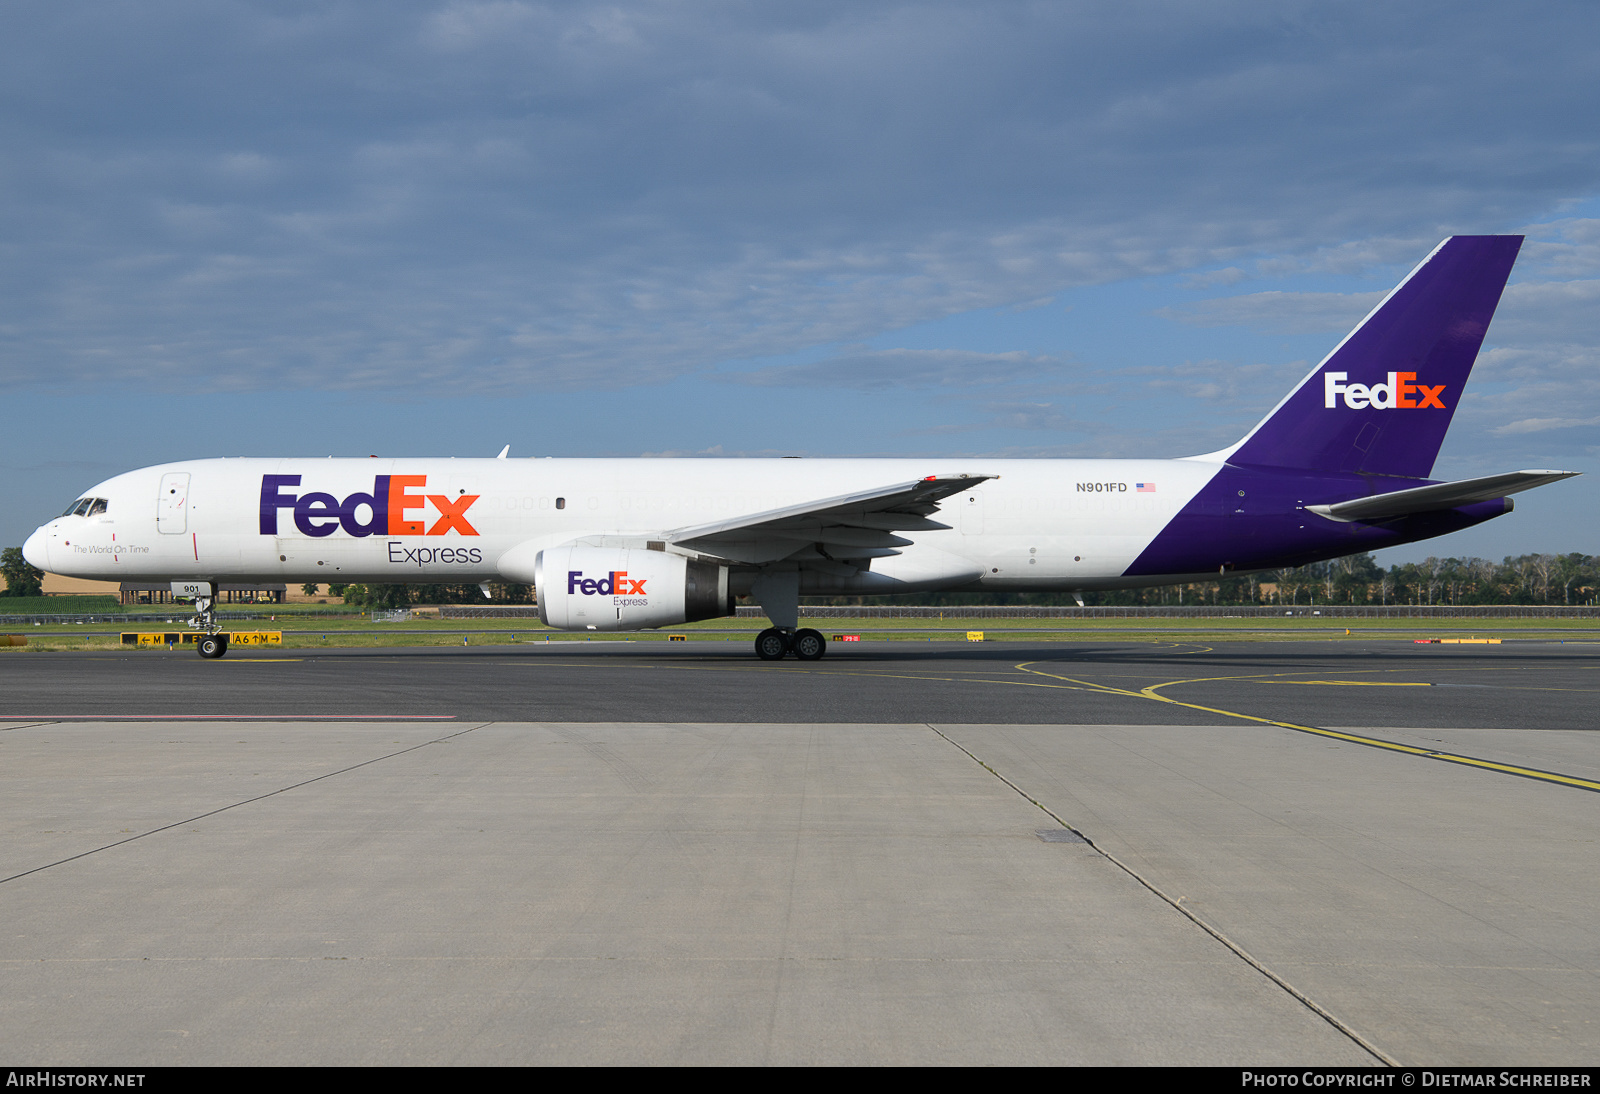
x,y
1546,311
1229,383
1542,425
1014,416
504,196
1277,312
1567,248
1230,275
903,369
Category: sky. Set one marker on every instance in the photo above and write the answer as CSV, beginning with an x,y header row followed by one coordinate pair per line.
x,y
707,229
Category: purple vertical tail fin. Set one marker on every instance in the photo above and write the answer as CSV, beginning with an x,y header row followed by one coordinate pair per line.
x,y
1381,401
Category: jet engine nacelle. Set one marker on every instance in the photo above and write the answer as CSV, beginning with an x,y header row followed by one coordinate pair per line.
x,y
605,589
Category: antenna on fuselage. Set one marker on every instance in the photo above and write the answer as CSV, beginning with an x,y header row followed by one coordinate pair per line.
x,y
504,452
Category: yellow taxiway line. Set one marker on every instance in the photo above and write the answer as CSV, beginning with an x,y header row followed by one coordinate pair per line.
x,y
1152,692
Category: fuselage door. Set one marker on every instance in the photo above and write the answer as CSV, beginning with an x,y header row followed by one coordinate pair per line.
x,y
172,504
971,504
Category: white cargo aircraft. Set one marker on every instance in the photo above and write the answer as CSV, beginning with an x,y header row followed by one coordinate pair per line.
x,y
1340,466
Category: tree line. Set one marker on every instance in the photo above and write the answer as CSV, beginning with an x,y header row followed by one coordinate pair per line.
x,y
21,578
1571,579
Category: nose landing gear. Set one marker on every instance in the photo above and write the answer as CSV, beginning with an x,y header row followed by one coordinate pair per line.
x,y
774,644
212,643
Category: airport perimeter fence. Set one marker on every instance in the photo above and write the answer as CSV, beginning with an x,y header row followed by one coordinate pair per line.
x,y
1252,611
1024,611
175,618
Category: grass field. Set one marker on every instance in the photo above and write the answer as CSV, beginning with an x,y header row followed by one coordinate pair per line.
x,y
57,605
301,630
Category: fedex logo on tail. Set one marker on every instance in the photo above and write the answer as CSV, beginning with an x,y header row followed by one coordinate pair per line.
x,y
616,583
1400,393
389,507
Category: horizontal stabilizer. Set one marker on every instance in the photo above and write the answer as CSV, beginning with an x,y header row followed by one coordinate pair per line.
x,y
1444,495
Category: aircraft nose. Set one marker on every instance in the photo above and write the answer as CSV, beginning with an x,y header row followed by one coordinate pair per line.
x,y
36,550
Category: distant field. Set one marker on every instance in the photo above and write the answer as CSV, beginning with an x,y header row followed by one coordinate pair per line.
x,y
58,605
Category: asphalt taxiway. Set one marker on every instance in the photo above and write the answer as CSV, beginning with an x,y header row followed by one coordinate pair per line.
x,y
1251,853
1349,682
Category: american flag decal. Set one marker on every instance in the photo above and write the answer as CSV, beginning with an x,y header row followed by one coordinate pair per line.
x,y
1144,487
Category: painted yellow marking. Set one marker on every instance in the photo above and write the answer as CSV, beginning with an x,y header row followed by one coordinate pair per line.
x,y
1151,692
1354,683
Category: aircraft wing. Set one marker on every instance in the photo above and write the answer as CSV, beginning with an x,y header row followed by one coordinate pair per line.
x,y
1444,495
829,532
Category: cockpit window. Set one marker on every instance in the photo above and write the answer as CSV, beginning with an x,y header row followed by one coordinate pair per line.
x,y
86,507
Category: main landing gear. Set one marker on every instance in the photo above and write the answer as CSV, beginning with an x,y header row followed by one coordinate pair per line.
x,y
773,644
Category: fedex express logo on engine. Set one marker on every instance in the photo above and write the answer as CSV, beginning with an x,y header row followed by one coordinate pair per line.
x,y
389,506
616,583
1400,393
